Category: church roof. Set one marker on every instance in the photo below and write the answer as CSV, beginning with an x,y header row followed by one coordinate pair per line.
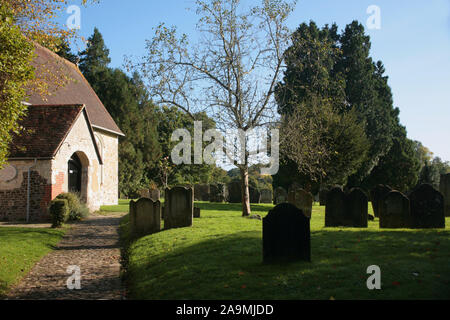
x,y
76,90
45,128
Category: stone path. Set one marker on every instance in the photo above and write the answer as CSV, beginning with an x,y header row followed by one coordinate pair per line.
x,y
93,246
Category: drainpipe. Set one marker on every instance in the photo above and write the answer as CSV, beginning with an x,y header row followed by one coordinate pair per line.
x,y
29,190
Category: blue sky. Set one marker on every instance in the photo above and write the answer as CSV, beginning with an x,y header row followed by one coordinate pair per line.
x,y
413,43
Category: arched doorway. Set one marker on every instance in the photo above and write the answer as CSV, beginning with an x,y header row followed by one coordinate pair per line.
x,y
78,167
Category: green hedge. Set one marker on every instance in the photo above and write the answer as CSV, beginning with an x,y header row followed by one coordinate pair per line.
x,y
77,209
59,212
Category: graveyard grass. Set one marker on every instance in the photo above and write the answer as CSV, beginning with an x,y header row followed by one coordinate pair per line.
x,y
20,249
220,257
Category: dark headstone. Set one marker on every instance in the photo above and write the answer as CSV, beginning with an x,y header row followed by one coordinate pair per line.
x,y
376,197
427,208
286,235
301,199
201,192
234,192
266,196
280,195
335,208
196,212
396,211
323,196
179,207
255,195
357,205
218,193
444,188
145,217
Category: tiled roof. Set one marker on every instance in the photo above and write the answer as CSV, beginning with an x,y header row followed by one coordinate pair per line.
x,y
44,130
76,91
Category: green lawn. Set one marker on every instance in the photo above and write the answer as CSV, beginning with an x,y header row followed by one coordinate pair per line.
x,y
220,257
20,249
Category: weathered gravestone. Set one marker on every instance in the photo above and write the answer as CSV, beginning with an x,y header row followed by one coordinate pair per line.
x,y
155,194
201,192
357,208
218,193
145,217
280,195
335,207
255,195
286,235
234,192
396,211
196,212
301,199
323,196
179,207
427,208
266,196
376,197
444,187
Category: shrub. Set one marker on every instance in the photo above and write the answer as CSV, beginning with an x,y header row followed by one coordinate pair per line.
x,y
59,212
77,209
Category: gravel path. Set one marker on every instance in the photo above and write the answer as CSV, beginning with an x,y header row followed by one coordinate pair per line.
x,y
93,246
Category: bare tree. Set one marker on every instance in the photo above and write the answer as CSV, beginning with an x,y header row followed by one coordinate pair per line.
x,y
232,71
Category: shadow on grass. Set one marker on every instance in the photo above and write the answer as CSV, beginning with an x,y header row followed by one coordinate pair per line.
x,y
414,265
215,206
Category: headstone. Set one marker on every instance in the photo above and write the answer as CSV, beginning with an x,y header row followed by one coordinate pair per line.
x,y
323,196
444,187
201,192
196,212
427,208
280,195
218,193
286,235
266,196
145,217
335,208
155,194
376,197
302,200
396,211
179,207
255,195
357,206
234,192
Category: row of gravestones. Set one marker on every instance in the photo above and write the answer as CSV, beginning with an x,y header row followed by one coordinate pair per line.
x,y
178,212
286,228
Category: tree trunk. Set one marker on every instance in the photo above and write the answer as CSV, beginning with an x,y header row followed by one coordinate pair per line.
x,y
246,211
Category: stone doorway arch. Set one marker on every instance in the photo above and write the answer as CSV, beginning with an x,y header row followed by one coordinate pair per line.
x,y
78,175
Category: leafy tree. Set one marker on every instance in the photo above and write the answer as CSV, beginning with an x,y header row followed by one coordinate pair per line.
x,y
16,53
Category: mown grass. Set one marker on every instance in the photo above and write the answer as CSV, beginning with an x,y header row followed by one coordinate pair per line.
x,y
20,249
220,257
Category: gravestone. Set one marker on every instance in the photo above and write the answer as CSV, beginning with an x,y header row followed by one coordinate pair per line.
x,y
302,200
376,197
444,187
145,217
266,196
396,211
196,212
280,195
179,207
218,193
356,209
155,194
255,195
335,208
234,192
427,208
201,192
286,235
323,196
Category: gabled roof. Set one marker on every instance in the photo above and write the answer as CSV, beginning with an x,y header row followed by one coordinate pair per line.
x,y
44,130
76,91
